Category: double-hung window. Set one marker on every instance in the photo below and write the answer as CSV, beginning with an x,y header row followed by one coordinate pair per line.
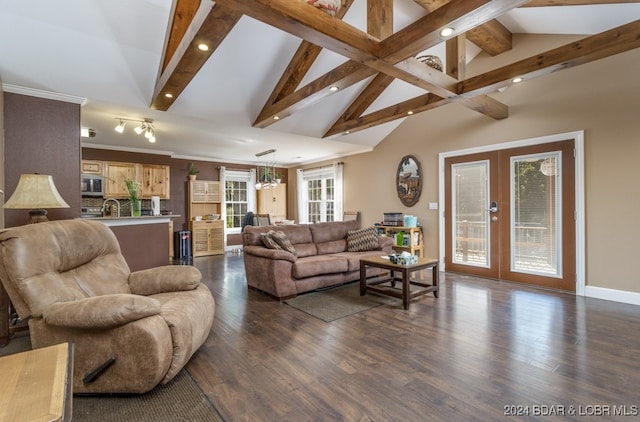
x,y
240,197
320,194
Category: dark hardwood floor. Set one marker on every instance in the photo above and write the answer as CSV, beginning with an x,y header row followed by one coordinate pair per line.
x,y
481,351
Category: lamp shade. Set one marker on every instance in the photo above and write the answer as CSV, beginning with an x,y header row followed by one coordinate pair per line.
x,y
35,191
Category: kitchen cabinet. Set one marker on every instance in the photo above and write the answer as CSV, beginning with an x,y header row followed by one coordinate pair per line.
x,y
273,201
204,198
155,180
91,167
114,175
208,237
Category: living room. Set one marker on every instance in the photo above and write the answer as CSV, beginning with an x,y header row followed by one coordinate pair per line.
x,y
596,102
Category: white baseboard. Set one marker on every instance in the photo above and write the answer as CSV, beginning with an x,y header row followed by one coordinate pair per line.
x,y
611,294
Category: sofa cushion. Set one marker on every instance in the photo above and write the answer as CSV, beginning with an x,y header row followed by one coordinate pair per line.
x,y
306,249
362,240
281,239
269,241
318,265
334,230
297,233
333,246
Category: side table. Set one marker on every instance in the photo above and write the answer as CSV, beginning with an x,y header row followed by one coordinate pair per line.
x,y
374,284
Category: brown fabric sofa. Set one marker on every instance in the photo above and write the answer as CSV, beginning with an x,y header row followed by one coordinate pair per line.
x,y
320,260
70,281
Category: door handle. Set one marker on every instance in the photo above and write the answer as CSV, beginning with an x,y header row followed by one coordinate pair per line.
x,y
494,207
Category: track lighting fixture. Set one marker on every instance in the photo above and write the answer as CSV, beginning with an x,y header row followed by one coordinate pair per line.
x,y
146,127
120,127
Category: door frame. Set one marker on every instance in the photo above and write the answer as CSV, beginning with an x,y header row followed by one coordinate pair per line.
x,y
578,138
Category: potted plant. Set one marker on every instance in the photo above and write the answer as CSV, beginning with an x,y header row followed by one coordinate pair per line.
x,y
193,171
134,195
277,177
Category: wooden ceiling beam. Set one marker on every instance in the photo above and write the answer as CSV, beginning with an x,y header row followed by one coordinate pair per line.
x,y
343,76
380,25
455,64
309,23
380,18
605,44
461,15
302,60
415,105
492,37
289,16
210,25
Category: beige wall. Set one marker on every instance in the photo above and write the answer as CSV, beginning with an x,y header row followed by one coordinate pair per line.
x,y
601,98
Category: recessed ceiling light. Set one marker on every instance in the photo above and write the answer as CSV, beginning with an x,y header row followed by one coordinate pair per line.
x,y
168,95
516,80
346,132
446,32
334,89
276,117
203,47
410,112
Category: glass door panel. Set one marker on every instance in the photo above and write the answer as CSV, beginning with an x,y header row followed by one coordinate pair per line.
x,y
536,221
470,193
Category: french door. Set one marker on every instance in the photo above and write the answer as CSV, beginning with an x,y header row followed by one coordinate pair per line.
x,y
510,215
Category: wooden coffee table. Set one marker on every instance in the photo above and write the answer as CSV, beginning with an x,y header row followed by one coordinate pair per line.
x,y
374,284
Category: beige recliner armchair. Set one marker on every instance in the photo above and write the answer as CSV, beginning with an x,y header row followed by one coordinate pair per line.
x,y
70,281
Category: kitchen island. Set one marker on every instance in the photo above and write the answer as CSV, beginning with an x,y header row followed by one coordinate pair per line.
x,y
145,241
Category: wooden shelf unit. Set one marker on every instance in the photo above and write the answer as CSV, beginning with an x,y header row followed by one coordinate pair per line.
x,y
412,239
207,236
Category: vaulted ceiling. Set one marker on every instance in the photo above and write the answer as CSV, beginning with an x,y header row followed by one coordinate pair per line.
x,y
284,74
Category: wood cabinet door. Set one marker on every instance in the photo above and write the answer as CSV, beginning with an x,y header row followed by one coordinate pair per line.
x,y
115,173
273,201
91,167
155,181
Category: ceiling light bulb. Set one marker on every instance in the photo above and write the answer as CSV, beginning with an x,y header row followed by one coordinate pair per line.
x,y
120,127
152,139
334,89
516,80
276,118
410,112
149,133
446,32
168,95
203,47
140,128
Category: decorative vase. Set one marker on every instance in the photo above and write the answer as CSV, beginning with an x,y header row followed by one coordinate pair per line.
x,y
192,177
136,208
329,6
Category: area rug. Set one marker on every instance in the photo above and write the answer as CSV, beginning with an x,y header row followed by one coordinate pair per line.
x,y
179,400
338,302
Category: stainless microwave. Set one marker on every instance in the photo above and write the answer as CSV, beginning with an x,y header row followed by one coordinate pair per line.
x,y
92,185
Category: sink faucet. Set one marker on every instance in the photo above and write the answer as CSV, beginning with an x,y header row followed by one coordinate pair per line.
x,y
104,206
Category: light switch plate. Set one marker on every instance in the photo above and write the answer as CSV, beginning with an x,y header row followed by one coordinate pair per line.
x,y
433,205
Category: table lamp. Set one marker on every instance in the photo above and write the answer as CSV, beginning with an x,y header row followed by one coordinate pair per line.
x,y
34,193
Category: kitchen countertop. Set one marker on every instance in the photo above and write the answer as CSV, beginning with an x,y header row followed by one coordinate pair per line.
x,y
130,221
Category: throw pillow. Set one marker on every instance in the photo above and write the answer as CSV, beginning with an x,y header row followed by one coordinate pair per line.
x,y
267,239
362,240
281,239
